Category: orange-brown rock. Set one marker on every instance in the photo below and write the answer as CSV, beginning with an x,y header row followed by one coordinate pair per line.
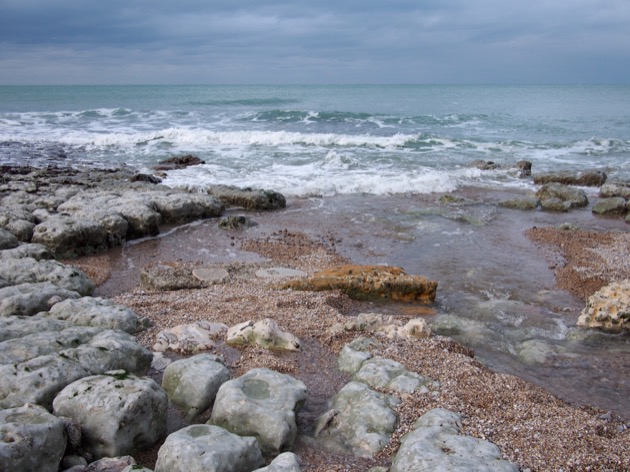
x,y
370,282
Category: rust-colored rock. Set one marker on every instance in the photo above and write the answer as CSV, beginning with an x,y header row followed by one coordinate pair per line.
x,y
370,282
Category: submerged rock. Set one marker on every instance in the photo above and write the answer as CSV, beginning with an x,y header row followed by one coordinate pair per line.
x,y
610,206
558,197
167,277
370,282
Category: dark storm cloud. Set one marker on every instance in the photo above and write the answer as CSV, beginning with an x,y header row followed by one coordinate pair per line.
x,y
79,41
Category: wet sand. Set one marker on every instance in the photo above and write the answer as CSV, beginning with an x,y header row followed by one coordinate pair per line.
x,y
531,426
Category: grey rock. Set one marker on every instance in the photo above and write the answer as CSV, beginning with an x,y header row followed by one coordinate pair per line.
x,y
615,189
206,448
251,199
21,229
164,277
35,251
264,333
285,462
38,380
435,445
192,384
237,222
360,421
262,403
592,178
39,344
66,236
610,206
119,412
113,224
30,298
7,239
185,207
350,360
143,220
73,460
525,203
111,464
97,312
556,197
32,439
379,371
189,338
16,327
29,270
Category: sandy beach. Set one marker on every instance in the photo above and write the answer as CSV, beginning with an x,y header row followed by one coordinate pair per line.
x,y
532,427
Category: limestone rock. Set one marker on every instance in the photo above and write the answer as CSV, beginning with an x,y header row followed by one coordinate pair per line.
x,y
360,421
350,360
97,312
264,333
615,189
7,239
558,197
12,327
113,224
285,462
30,298
378,324
435,445
525,203
39,379
69,237
380,372
34,251
31,439
192,384
202,447
370,282
237,222
262,403
119,412
29,270
190,338
186,207
166,277
592,178
610,206
251,199
112,464
608,308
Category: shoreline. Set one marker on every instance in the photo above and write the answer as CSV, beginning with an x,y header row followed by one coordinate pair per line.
x,y
531,426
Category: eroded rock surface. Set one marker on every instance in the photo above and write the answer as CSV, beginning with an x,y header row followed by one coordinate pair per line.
x,y
264,333
608,308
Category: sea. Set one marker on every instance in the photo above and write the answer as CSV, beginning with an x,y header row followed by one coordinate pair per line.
x,y
366,165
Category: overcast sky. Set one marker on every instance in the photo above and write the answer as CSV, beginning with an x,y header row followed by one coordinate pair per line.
x,y
314,41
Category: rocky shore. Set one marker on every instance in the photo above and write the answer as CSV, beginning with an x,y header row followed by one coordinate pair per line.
x,y
246,353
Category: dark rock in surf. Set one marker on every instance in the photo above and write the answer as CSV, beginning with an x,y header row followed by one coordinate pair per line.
x,y
179,162
249,198
591,178
558,197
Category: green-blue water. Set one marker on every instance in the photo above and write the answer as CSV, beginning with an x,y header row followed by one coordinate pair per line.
x,y
322,139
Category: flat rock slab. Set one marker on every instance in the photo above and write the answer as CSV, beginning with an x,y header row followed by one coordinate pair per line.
x,y
28,299
203,447
31,439
119,412
211,275
435,444
262,403
370,282
279,273
97,312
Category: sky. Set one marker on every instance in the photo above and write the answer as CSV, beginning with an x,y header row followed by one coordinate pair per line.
x,y
314,41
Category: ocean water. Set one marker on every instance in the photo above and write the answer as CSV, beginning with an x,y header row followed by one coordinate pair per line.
x,y
330,147
322,140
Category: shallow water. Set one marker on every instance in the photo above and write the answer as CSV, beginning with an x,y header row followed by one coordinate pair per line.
x,y
496,291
